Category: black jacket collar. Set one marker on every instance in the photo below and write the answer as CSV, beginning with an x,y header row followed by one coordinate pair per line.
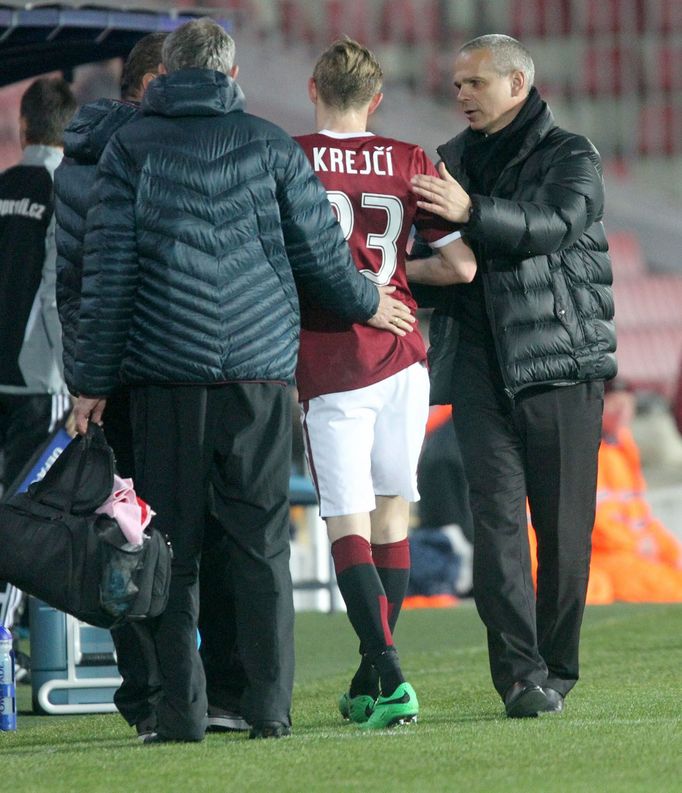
x,y
453,153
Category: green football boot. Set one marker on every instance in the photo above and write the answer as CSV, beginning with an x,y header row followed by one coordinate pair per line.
x,y
401,707
356,709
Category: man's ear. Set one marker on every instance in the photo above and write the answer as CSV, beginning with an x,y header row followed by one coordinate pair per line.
x,y
518,83
312,90
147,77
374,103
234,71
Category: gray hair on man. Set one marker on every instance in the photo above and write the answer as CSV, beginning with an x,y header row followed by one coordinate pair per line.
x,y
508,54
199,44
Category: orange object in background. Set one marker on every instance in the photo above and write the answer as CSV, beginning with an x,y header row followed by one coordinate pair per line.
x,y
429,601
624,520
438,415
642,558
634,557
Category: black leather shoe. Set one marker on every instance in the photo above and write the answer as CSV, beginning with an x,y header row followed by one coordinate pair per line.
x,y
155,737
146,727
555,700
525,700
270,729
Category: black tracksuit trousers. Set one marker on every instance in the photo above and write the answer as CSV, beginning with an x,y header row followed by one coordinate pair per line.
x,y
227,448
544,447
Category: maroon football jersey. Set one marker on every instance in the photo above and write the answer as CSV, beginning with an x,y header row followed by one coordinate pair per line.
x,y
367,178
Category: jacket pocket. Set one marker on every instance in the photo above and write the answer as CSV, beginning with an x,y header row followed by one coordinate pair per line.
x,y
565,309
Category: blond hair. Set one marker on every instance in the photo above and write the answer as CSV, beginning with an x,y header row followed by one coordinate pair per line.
x,y
347,75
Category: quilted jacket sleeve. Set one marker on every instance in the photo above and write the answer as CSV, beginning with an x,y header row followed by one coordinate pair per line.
x,y
71,184
319,256
568,199
110,275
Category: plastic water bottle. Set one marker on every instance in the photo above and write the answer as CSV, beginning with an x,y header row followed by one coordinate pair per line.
x,y
8,700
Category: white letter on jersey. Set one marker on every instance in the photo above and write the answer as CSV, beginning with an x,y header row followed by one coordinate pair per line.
x,y
318,162
368,164
380,151
336,160
350,161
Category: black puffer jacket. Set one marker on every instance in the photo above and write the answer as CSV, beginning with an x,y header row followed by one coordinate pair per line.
x,y
207,221
542,252
84,141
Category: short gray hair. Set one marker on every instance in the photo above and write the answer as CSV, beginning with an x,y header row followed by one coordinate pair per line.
x,y
199,44
509,55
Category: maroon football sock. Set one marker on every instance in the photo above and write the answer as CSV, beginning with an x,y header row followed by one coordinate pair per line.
x,y
392,561
366,604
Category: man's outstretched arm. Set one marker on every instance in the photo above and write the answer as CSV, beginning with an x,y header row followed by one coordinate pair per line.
x,y
454,263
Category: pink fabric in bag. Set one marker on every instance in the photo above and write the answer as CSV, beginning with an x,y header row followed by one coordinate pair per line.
x,y
130,512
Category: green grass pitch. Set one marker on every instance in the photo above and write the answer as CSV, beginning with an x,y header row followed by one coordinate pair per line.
x,y
621,731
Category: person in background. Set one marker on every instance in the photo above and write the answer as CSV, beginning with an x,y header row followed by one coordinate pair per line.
x,y
364,394
33,395
207,222
640,556
444,504
441,477
635,558
84,141
522,354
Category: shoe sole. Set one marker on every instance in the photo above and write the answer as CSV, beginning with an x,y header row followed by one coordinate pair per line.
x,y
528,705
392,721
227,725
155,739
405,720
269,732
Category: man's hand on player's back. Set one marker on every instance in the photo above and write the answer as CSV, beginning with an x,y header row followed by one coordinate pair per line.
x,y
392,314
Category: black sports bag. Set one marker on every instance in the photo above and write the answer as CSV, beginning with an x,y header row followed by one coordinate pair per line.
x,y
54,546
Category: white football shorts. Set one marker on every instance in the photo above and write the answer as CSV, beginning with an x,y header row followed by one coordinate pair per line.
x,y
366,442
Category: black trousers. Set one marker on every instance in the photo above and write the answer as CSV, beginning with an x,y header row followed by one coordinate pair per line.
x,y
227,447
226,679
543,448
137,696
135,653
119,432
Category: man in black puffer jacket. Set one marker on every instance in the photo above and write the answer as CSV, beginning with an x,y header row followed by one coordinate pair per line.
x,y
208,224
84,141
522,354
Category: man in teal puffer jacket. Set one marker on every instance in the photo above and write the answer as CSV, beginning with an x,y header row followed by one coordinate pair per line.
x,y
209,228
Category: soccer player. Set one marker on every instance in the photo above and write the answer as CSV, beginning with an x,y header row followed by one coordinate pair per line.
x,y
364,399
